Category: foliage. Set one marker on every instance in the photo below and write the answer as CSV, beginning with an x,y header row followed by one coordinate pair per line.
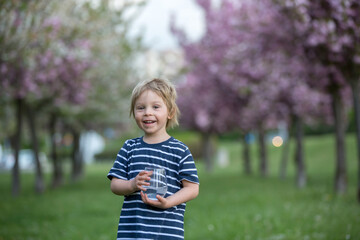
x,y
332,34
60,54
49,65
114,73
248,70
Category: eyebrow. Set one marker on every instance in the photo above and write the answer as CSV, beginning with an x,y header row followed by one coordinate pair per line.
x,y
154,102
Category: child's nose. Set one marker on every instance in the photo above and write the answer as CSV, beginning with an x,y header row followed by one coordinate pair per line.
x,y
148,111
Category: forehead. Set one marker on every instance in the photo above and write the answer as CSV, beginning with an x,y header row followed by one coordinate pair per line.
x,y
149,96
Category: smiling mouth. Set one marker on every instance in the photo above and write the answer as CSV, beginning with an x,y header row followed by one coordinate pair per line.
x,y
149,122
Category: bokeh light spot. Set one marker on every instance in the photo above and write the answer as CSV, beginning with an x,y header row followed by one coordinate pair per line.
x,y
277,141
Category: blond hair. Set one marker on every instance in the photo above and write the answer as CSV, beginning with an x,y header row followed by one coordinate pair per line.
x,y
166,90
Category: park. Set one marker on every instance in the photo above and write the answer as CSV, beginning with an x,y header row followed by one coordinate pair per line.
x,y
269,103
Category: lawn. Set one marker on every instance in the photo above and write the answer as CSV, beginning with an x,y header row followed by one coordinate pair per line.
x,y
231,205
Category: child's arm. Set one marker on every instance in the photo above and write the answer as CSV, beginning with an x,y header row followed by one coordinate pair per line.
x,y
126,187
189,191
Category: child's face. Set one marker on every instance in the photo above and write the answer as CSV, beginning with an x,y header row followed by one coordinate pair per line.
x,y
151,114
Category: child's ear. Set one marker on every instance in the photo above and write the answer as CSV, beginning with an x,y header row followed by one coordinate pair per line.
x,y
171,114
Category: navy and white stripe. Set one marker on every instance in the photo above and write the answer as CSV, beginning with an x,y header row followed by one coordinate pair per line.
x,y
141,221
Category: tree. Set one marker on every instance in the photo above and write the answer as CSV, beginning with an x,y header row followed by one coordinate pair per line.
x,y
205,109
106,27
331,36
17,23
45,73
56,56
247,50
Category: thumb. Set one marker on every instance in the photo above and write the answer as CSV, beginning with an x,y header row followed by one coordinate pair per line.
x,y
161,199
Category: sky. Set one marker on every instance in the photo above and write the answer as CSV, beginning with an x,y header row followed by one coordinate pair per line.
x,y
154,22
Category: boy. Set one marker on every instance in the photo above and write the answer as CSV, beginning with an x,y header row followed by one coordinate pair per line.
x,y
154,108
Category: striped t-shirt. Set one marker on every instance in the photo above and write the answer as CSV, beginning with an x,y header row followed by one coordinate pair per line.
x,y
139,220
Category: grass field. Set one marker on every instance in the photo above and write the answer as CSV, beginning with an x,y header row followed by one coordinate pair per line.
x,y
231,205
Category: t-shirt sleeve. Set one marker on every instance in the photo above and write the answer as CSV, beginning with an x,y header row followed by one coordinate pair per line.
x,y
188,169
120,167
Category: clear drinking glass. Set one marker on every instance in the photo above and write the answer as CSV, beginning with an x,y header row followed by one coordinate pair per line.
x,y
158,183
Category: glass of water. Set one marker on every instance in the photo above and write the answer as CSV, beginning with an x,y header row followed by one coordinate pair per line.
x,y
158,183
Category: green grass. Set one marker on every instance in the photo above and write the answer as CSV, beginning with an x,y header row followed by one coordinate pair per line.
x,y
231,205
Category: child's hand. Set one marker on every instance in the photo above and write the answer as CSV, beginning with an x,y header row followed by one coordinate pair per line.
x,y
140,180
160,203
189,191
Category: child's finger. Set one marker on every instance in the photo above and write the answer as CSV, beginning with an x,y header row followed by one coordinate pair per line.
x,y
145,183
144,197
142,180
142,173
142,188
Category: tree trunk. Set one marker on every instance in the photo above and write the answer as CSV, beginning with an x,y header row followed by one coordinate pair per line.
x,y
16,142
355,86
285,154
246,156
57,168
263,154
284,159
207,151
77,160
39,181
340,119
299,154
